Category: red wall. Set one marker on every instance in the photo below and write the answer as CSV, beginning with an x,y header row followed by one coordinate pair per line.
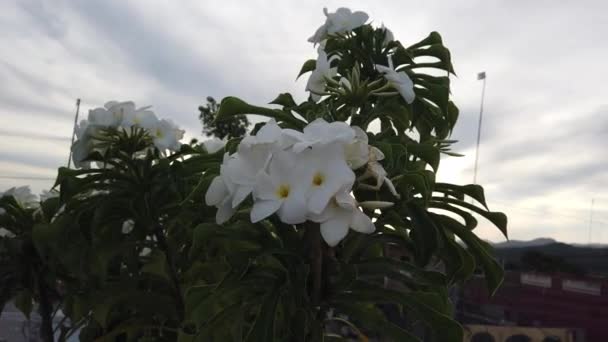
x,y
528,305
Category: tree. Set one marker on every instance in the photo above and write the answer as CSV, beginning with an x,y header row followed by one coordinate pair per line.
x,y
234,128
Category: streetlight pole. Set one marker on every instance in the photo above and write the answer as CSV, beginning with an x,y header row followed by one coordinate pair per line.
x,y
74,131
480,76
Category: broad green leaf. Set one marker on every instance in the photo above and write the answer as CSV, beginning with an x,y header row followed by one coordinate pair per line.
x,y
231,106
497,218
494,273
424,233
472,190
308,66
426,152
426,306
285,100
263,328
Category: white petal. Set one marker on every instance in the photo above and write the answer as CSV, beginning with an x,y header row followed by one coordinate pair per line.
x,y
361,223
240,194
265,188
293,210
319,199
213,145
334,229
262,209
406,87
282,165
391,187
224,211
269,133
217,192
345,200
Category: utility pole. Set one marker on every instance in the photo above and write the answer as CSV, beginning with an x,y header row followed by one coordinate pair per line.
x,y
480,76
74,131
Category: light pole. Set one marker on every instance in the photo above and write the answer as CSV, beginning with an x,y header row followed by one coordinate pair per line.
x,y
74,131
480,76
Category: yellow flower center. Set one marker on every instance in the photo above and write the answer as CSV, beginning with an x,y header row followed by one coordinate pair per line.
x,y
283,191
317,179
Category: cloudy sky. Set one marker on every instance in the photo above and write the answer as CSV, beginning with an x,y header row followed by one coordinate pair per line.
x,y
544,150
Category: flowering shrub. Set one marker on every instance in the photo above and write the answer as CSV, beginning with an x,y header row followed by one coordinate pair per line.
x,y
93,134
310,224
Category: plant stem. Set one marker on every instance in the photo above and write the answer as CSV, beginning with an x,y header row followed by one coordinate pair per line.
x,y
45,310
162,243
316,263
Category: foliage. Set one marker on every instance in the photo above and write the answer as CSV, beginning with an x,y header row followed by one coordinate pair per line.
x,y
235,128
138,256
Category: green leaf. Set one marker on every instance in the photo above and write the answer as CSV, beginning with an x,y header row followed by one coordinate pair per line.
x,y
157,265
374,320
426,152
285,100
433,38
497,218
308,66
494,273
231,106
472,190
23,302
424,233
397,270
263,328
428,306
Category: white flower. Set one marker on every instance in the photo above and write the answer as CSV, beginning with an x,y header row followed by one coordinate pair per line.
x,y
398,80
357,152
324,172
320,132
213,145
237,179
269,134
376,171
343,20
141,117
23,195
166,135
84,145
341,214
218,195
280,191
323,70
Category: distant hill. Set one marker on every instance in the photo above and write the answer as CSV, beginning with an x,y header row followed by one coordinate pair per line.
x,y
519,243
547,253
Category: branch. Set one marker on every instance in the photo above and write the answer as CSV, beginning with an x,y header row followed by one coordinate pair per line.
x,y
162,242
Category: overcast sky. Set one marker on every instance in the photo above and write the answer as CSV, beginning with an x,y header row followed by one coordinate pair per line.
x,y
544,150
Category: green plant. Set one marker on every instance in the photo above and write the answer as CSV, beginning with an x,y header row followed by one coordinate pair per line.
x,y
140,257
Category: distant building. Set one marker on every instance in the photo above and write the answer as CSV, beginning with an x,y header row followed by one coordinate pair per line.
x,y
493,333
577,304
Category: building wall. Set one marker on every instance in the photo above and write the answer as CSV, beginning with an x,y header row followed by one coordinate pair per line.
x,y
540,300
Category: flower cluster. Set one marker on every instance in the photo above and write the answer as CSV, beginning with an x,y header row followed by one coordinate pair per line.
x,y
300,176
22,195
123,115
344,21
